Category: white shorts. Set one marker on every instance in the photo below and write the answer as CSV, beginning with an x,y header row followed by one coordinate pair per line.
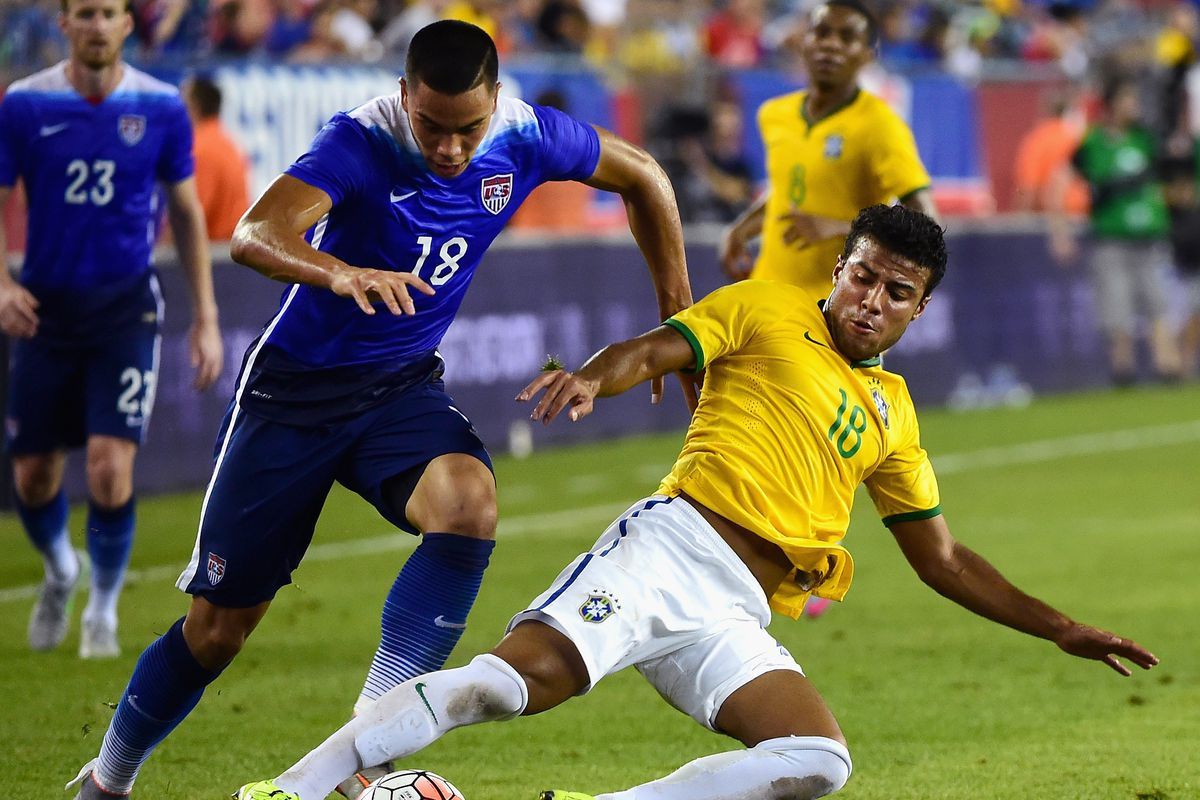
x,y
661,590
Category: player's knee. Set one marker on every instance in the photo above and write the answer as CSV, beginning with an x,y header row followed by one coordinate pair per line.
x,y
816,766
36,480
215,642
109,479
470,510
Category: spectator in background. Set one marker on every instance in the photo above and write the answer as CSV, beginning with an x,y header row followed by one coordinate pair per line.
x,y
563,27
1129,223
239,26
707,165
1043,152
1181,172
351,24
322,44
221,165
733,36
288,28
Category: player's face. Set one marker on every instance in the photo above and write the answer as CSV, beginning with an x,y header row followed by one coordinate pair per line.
x,y
96,30
875,295
836,45
448,127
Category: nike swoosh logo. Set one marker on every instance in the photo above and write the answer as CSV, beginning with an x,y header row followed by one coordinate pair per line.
x,y
396,198
50,130
442,622
809,337
420,687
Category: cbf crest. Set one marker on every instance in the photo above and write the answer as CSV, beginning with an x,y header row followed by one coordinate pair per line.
x,y
216,568
599,606
496,191
881,403
132,128
834,144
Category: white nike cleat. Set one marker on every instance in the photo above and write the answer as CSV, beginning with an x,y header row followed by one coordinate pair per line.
x,y
50,619
98,639
89,788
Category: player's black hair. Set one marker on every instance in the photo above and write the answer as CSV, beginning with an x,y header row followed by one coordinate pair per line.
x,y
205,93
452,57
905,232
858,7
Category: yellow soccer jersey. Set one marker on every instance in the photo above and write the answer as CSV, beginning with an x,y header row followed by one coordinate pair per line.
x,y
857,156
787,428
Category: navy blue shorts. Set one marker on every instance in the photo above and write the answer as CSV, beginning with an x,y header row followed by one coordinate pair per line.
x,y
270,481
60,395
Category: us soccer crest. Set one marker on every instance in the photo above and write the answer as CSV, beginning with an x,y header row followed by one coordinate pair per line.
x,y
833,145
496,191
881,403
132,128
216,568
598,607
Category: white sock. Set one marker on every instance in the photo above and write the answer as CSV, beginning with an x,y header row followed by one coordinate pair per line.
x,y
408,718
61,562
102,602
788,768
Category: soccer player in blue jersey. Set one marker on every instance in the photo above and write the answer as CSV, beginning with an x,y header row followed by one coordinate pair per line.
x,y
91,138
378,229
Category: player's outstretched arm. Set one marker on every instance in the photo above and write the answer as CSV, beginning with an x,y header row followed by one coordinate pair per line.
x,y
613,370
653,215
956,572
186,216
269,238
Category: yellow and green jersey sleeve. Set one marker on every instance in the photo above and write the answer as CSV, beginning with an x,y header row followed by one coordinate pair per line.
x,y
787,428
857,156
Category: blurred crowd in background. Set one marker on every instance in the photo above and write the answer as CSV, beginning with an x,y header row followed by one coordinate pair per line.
x,y
962,37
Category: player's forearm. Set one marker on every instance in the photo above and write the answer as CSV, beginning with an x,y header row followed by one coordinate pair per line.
x,y
276,251
191,242
969,580
623,365
654,222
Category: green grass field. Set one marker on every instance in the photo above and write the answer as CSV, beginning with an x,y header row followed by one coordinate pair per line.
x,y
1091,502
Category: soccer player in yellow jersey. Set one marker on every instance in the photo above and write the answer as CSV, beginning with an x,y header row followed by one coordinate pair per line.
x,y
830,151
796,410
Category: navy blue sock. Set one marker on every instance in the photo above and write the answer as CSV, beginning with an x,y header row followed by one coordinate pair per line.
x,y
426,610
46,527
109,542
166,685
45,524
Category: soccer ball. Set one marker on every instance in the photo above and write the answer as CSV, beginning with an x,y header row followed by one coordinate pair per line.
x,y
411,784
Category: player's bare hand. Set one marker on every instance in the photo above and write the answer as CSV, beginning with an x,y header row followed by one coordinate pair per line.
x,y
562,389
735,260
367,286
18,310
803,229
1088,642
207,352
691,383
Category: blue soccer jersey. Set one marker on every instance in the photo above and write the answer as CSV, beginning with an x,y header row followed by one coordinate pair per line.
x,y
90,170
390,212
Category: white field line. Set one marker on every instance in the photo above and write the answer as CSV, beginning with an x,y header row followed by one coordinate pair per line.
x,y
1034,452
